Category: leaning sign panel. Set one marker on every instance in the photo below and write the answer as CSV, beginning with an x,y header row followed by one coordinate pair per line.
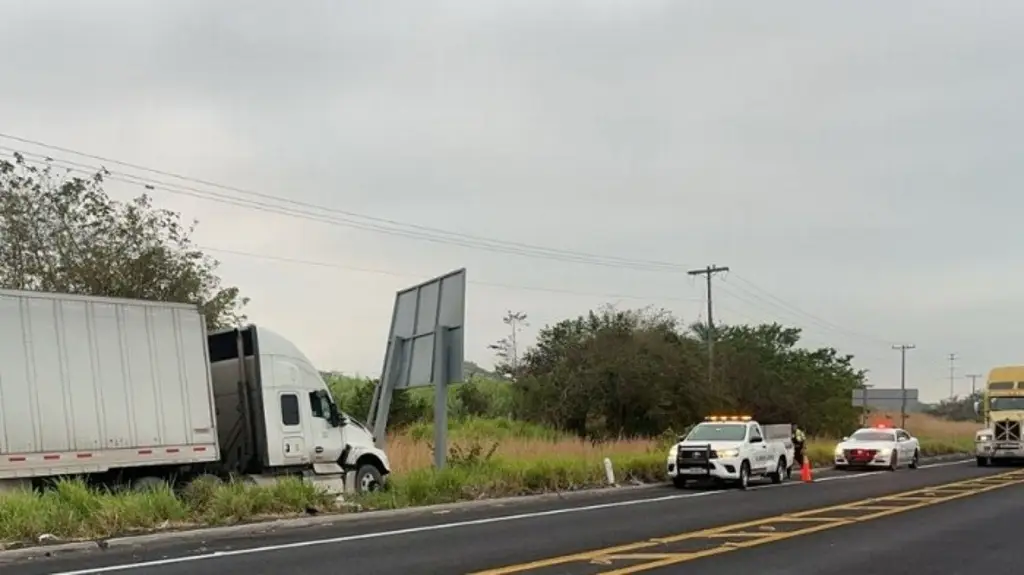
x,y
419,310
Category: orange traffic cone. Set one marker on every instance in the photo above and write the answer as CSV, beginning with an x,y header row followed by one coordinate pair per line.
x,y
805,471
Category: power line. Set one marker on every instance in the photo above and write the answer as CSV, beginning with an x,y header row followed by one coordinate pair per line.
x,y
344,218
378,224
515,287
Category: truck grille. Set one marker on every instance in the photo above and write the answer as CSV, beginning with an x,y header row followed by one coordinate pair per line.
x,y
1007,430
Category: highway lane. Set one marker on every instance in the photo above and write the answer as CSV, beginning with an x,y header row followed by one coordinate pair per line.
x,y
977,534
479,539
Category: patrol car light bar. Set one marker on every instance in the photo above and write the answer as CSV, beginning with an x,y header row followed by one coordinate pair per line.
x,y
728,418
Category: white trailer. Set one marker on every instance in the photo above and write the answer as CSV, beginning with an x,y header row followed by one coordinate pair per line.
x,y
130,391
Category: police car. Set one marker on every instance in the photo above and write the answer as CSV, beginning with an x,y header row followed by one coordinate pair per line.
x,y
733,450
878,447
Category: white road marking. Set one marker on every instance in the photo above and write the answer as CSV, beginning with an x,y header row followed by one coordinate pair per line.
x,y
457,524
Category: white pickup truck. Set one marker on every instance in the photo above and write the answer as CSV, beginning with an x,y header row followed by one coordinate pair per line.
x,y
732,449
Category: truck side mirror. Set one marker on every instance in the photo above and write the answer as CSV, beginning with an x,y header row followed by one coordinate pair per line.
x,y
337,419
756,440
977,407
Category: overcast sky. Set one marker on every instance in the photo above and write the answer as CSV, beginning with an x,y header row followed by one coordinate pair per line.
x,y
854,163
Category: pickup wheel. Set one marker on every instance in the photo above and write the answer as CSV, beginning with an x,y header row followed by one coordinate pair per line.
x,y
744,480
780,471
916,461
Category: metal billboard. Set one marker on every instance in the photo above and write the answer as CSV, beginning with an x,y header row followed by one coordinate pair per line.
x,y
885,399
417,313
425,346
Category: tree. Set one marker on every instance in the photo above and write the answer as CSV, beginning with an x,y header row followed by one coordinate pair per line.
x,y
640,372
65,234
507,348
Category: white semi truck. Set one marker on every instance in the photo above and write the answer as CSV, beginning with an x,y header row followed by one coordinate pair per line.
x,y
132,392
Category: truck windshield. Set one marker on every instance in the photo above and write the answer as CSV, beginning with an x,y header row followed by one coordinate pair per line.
x,y
1001,403
718,432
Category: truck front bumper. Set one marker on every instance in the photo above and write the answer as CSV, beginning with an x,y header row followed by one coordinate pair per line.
x,y
999,449
720,469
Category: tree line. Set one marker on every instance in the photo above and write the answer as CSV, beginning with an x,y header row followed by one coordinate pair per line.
x,y
604,374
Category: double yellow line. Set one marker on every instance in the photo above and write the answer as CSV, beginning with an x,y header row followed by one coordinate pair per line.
x,y
728,538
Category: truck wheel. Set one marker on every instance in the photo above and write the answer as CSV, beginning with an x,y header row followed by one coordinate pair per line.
x,y
916,461
780,470
679,482
744,481
368,478
147,484
983,462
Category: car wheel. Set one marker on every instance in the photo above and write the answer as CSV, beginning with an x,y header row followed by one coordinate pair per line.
x,y
744,481
679,482
916,461
983,462
894,461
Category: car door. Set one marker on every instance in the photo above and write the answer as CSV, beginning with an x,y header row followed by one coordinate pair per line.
x,y
906,447
761,454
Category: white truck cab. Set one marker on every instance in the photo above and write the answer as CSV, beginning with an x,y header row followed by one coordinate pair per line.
x,y
731,449
296,426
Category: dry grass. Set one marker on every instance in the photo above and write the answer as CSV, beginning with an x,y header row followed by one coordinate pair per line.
x,y
927,426
411,451
408,454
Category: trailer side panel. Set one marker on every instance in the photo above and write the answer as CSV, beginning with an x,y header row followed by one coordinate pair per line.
x,y
88,384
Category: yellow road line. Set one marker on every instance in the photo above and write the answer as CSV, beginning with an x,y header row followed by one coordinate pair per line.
x,y
767,530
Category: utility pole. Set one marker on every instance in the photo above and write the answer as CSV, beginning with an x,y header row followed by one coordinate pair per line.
x,y
974,382
903,381
708,272
952,375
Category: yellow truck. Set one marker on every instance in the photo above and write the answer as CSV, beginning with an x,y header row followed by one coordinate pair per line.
x,y
1002,439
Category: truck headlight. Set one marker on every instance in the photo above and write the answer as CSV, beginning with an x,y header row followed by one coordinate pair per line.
x,y
983,437
727,453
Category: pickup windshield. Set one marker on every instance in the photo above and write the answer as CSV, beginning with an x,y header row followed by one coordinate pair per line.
x,y
718,432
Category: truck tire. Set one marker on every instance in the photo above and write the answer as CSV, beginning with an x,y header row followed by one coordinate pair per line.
x,y
983,462
679,482
148,483
744,481
780,471
368,478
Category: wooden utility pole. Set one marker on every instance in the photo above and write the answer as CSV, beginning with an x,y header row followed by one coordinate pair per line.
x,y
903,381
952,375
708,273
974,382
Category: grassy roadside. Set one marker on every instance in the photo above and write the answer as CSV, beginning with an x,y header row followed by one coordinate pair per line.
x,y
489,458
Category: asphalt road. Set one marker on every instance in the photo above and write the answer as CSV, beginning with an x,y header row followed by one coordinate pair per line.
x,y
478,539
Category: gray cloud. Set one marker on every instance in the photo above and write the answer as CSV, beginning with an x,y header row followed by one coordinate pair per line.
x,y
858,160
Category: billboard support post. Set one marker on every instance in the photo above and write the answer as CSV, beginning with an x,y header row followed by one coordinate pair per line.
x,y
442,359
